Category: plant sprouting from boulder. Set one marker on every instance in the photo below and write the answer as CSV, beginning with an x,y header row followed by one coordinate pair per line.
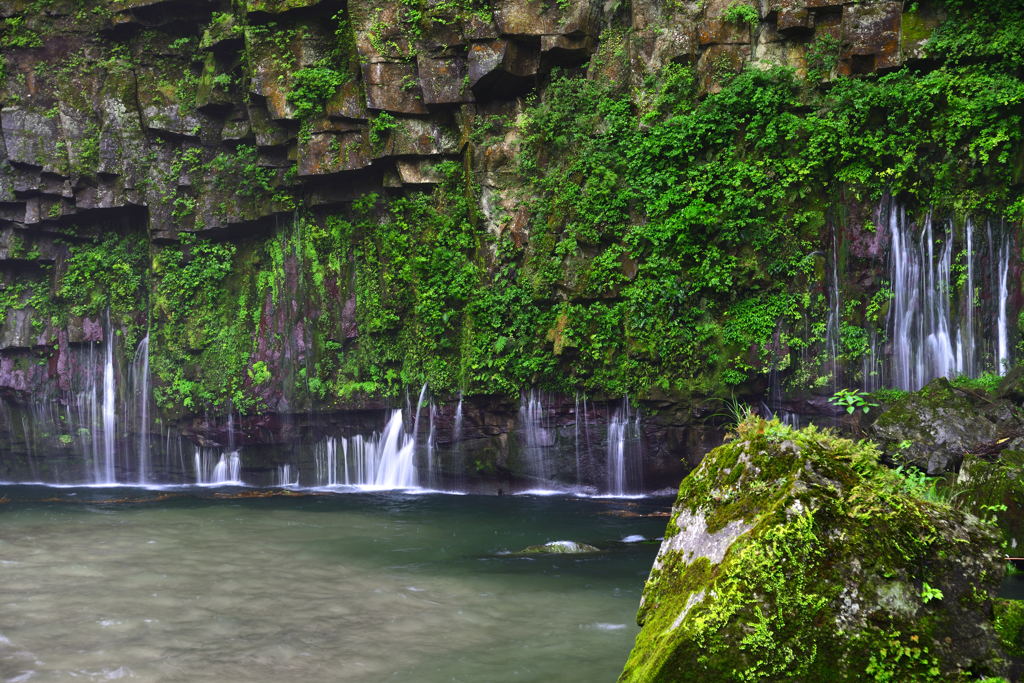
x,y
851,400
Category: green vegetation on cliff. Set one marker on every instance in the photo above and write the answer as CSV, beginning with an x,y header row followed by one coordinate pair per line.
x,y
621,232
670,242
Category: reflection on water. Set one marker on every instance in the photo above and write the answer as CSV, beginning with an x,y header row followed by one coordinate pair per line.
x,y
186,586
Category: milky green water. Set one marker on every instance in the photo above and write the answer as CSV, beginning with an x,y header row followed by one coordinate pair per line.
x,y
338,587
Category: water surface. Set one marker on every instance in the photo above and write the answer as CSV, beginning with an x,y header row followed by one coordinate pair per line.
x,y
102,584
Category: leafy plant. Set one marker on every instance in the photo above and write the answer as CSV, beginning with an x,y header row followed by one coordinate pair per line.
x,y
741,13
311,87
929,593
851,400
380,124
259,373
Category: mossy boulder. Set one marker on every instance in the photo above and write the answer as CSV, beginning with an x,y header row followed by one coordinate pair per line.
x,y
993,487
1010,626
935,427
795,555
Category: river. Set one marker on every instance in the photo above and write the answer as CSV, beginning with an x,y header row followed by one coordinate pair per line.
x,y
234,584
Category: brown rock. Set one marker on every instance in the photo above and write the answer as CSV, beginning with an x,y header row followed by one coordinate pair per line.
x,y
502,66
718,62
444,80
325,153
871,36
393,87
715,30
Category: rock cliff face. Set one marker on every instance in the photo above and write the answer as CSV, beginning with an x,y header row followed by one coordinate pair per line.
x,y
793,555
102,101
268,191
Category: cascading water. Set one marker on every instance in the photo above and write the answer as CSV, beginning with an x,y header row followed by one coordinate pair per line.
x,y
623,462
212,467
109,407
1002,262
935,322
537,437
457,428
285,476
576,438
383,461
140,389
228,469
325,456
431,438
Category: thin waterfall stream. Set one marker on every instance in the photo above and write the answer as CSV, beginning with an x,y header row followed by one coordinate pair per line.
x,y
933,321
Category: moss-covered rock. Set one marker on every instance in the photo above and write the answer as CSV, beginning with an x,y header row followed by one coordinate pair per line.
x,y
935,427
993,487
794,555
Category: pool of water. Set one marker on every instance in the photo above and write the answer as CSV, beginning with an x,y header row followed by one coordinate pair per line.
x,y
242,585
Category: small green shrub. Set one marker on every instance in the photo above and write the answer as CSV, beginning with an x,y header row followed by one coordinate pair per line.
x,y
312,87
741,13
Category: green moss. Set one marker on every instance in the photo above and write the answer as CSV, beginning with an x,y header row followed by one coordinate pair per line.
x,y
830,570
312,87
104,275
1010,626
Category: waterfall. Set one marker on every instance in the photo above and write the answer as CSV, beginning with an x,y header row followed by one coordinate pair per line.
x,y
393,456
457,428
227,469
84,419
871,376
966,361
930,336
325,455
623,464
383,461
1002,335
231,428
140,389
109,407
922,346
576,437
431,436
536,435
284,476
416,413
220,472
617,453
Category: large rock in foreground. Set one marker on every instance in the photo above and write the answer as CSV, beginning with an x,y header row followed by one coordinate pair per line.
x,y
794,555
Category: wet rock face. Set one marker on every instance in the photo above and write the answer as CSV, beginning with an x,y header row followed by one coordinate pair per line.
x,y
795,555
156,118
101,99
933,429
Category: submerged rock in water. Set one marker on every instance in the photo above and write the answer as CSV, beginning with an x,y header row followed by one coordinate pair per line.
x,y
559,548
793,554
